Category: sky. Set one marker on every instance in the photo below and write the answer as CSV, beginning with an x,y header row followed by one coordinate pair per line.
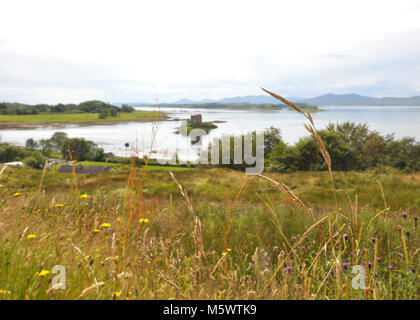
x,y
148,51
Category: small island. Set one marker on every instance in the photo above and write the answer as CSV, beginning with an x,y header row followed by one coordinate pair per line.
x,y
196,122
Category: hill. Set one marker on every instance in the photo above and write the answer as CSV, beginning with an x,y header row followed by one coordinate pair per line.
x,y
351,99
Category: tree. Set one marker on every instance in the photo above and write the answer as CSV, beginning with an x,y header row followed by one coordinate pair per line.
x,y
31,144
77,148
104,113
113,112
403,154
98,155
45,146
284,158
127,108
35,161
372,152
272,137
57,140
342,157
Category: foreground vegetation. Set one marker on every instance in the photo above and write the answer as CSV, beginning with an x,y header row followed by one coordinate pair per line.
x,y
135,234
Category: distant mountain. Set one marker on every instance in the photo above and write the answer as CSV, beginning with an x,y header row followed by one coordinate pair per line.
x,y
391,101
246,99
189,101
250,99
351,99
341,100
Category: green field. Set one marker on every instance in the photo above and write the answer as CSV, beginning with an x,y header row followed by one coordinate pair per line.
x,y
79,117
123,166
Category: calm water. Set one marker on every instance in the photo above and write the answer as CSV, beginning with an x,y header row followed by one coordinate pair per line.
x,y
403,121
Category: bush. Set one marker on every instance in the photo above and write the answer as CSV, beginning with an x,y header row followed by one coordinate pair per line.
x,y
351,147
10,153
97,155
31,144
127,109
80,149
35,161
103,114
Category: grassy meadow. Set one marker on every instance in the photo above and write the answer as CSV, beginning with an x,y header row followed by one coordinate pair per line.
x,y
208,234
78,117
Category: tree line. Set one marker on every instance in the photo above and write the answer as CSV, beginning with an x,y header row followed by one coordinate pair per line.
x,y
35,153
351,147
93,106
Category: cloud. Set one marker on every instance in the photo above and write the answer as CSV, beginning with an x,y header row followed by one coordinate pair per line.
x,y
140,51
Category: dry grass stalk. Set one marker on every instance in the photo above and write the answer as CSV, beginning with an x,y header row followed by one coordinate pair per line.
x,y
404,243
135,203
43,175
173,284
1,173
230,222
323,282
93,286
376,216
198,237
356,212
184,193
382,193
89,266
312,129
375,257
283,187
368,289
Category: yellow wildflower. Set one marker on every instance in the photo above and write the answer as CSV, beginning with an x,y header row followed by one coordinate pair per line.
x,y
224,253
146,220
3,291
87,257
96,230
83,196
228,249
117,293
105,225
43,273
31,236
17,194
58,205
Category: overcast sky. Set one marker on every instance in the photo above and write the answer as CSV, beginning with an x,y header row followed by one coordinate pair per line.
x,y
126,51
